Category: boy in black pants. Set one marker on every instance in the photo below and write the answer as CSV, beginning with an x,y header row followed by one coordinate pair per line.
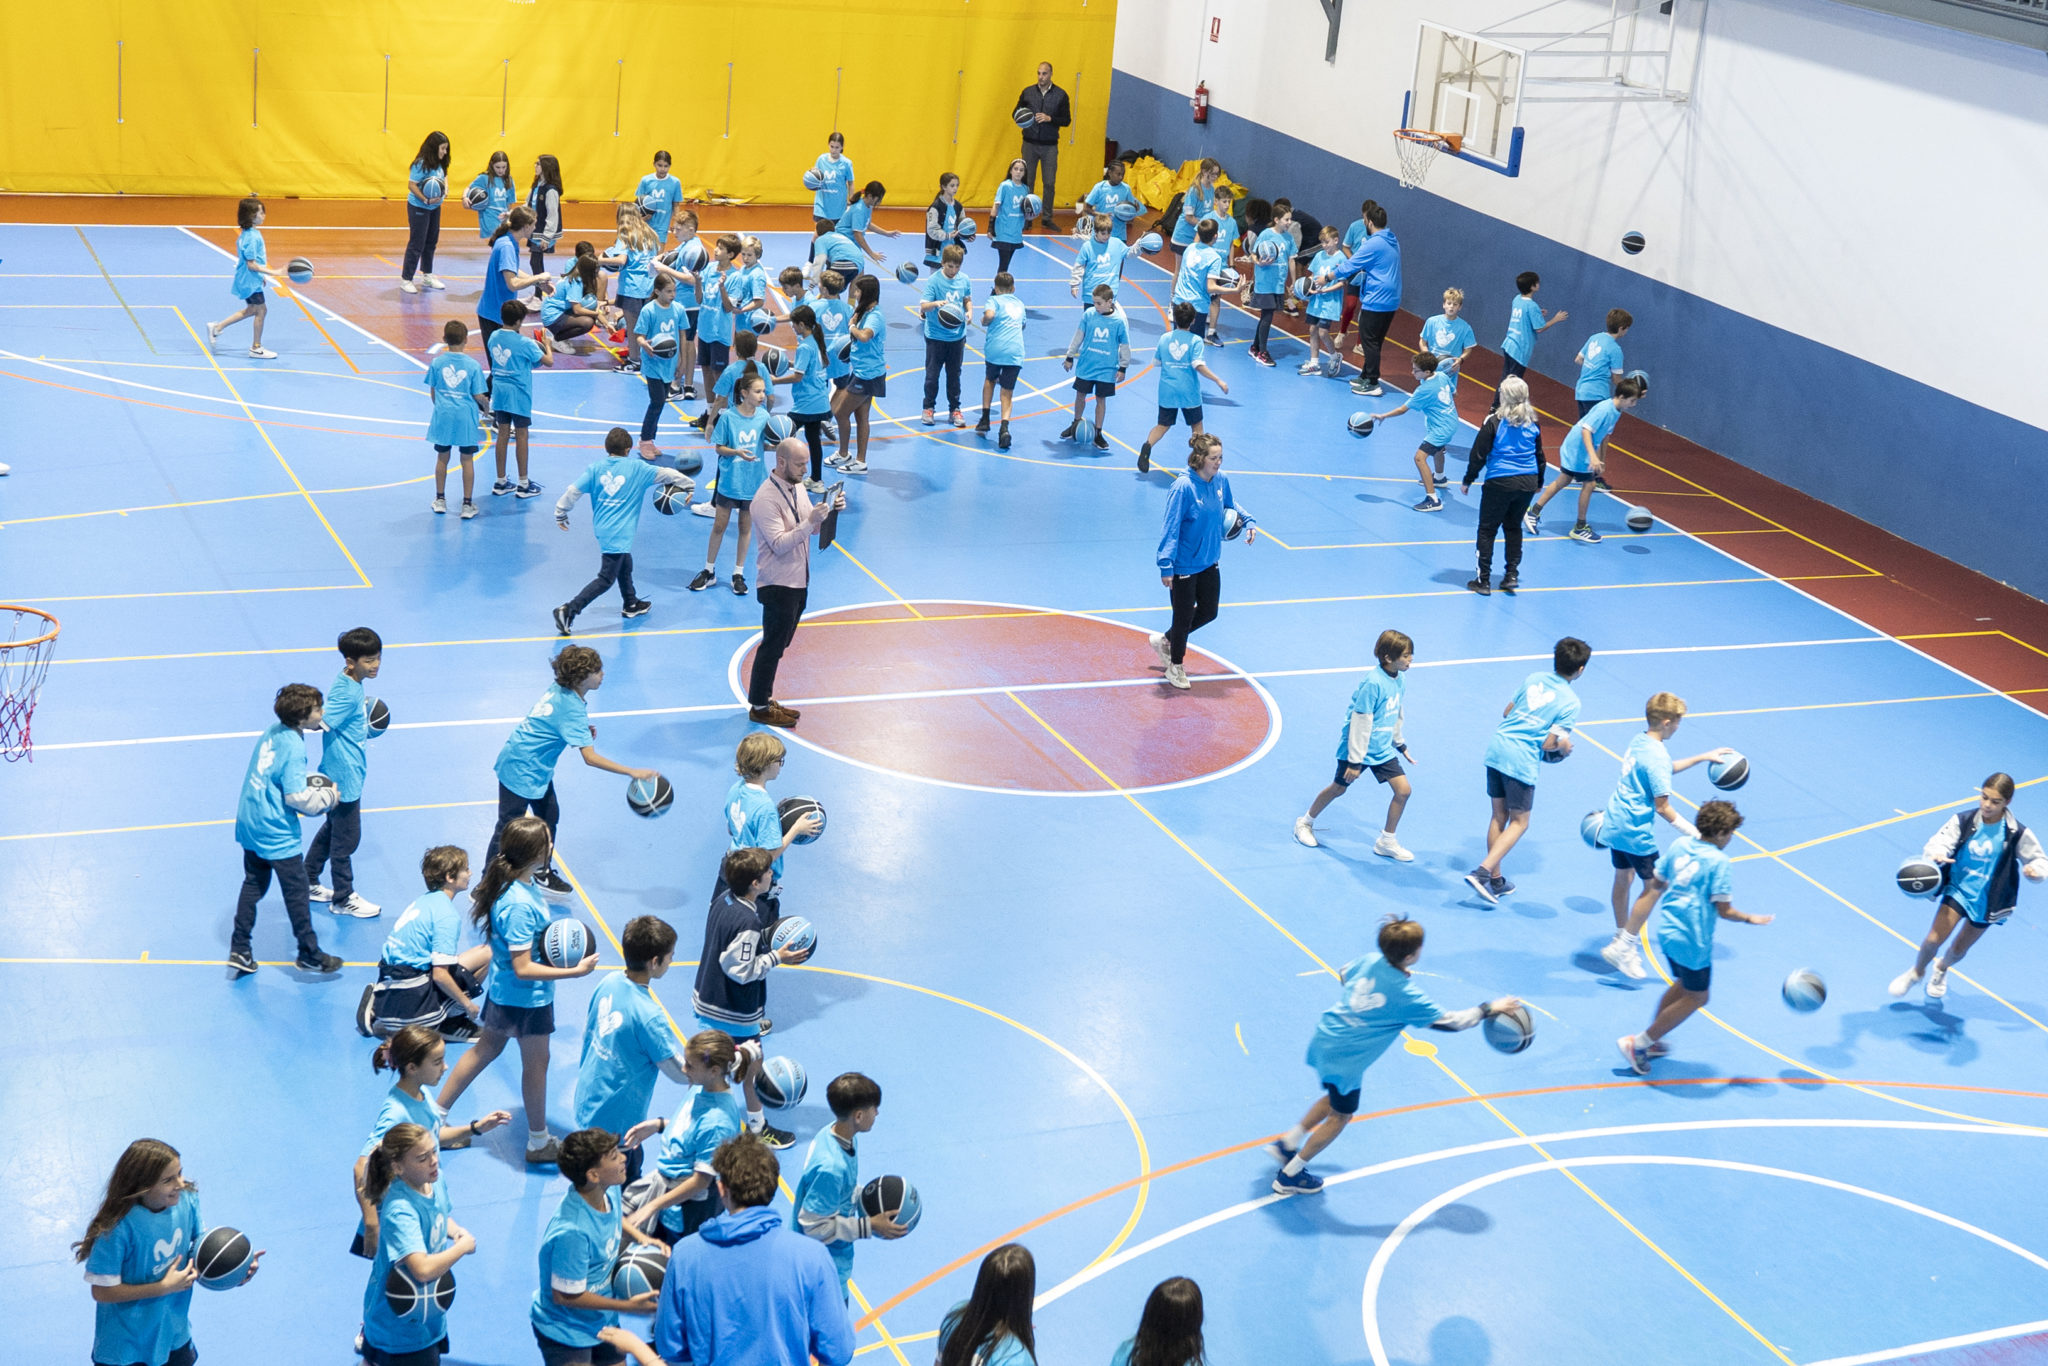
x,y
347,714
731,992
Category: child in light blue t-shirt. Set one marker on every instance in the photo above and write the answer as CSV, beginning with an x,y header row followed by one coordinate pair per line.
x,y
1098,356
1535,728
1433,399
1525,321
1372,738
251,270
456,387
1580,457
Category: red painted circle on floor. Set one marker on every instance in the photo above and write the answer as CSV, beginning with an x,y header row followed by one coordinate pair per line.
x,y
1012,699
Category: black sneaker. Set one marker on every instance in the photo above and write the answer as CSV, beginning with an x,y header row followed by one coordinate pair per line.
x,y
322,963
242,961
562,619
776,1138
1600,481
459,1029
981,427
1068,434
636,608
705,578
1145,458
739,584
689,393
1510,581
1003,437
553,883
767,1028
1214,338
1481,587
1101,441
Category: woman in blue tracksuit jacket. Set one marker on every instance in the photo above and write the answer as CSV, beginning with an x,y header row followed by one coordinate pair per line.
x,y
1509,449
1376,265
1189,548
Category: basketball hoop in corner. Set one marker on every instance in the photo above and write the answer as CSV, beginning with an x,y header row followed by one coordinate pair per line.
x,y
1418,149
24,659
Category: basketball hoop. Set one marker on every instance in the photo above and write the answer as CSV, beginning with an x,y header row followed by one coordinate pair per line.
x,y
24,659
1418,149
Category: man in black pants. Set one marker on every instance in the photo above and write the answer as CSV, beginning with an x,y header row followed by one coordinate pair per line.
x,y
1050,111
785,519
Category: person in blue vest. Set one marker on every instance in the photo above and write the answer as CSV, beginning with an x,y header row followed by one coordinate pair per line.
x,y
1189,549
1981,855
1376,265
1508,451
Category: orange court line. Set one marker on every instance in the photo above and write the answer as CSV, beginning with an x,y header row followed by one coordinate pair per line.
x,y
293,295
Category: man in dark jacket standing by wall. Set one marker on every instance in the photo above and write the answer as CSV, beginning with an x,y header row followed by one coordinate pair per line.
x,y
1050,111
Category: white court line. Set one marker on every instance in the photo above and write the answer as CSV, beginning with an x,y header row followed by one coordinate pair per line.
x,y
1939,1344
984,690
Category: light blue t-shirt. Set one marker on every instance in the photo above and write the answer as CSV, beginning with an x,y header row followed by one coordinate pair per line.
x,y
1976,859
658,321
399,1108
1524,317
714,323
1596,374
1104,338
518,918
569,291
408,1221
1699,879
668,191
1433,400
416,173
513,356
705,1121
955,289
625,1040
739,478
1544,702
1270,277
829,1186
1002,340
1379,1001
559,721
249,249
428,932
869,357
499,197
1198,200
264,825
577,1254
1355,234
1006,216
453,380
1176,357
1104,198
835,316
1599,424
841,253
830,200
1449,338
1379,697
1197,264
811,394
858,217
504,257
136,1251
1327,306
348,729
636,275
746,288
1102,263
751,820
617,489
1630,824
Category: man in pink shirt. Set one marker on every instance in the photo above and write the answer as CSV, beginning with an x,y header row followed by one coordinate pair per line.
x,y
784,519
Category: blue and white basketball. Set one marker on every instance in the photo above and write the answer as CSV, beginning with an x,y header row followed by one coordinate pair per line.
x,y
1510,1031
760,322
652,797
794,933
1084,431
433,188
1151,244
782,1083
1556,747
1032,206
1124,211
650,204
967,230
1592,827
1361,424
1301,289
906,273
893,1196
299,270
1234,523
1728,774
1804,991
813,181
777,431
790,810
1266,252
564,943
640,1271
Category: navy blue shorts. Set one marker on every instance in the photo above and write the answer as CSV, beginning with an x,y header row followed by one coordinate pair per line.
x,y
554,1353
1193,415
521,1022
842,381
467,451
1692,979
1518,795
1991,918
1004,377
1643,866
870,387
1431,448
690,323
713,355
519,421
180,1356
1099,388
1579,476
1342,1102
374,1355
1586,405
254,300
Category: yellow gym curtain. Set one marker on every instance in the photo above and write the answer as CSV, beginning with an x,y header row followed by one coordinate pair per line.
x,y
326,100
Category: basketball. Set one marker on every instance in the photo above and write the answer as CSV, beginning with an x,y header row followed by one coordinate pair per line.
x,y
950,315
222,1258
1124,212
433,188
1510,1031
1918,877
906,273
773,359
1555,754
474,197
813,181
1592,826
690,255
1084,431
667,496
794,933
413,1302
640,1271
1362,423
778,430
845,351
1638,519
1266,253
563,944
893,1196
793,809
379,717
654,798
1728,774
319,780
663,346
1151,244
1226,280
650,204
1301,289
1032,206
299,270
1804,991
967,230
1025,118
760,322
1633,243
542,241
782,1083
1234,523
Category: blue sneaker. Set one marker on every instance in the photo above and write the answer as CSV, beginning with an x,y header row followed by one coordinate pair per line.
x,y
1303,1182
1480,881
1279,1151
1500,887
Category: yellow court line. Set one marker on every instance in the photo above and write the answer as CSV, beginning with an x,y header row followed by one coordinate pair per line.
x,y
1891,820
115,289
228,820
1819,706
1467,540
1957,635
840,546
264,432
206,502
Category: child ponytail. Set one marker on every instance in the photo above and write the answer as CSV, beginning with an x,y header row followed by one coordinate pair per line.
x,y
519,217
405,1050
715,1049
805,314
382,1168
524,844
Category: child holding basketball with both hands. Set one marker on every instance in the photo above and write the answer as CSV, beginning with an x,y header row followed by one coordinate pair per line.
x,y
276,791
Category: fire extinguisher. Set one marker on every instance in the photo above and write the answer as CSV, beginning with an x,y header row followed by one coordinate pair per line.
x,y
1201,102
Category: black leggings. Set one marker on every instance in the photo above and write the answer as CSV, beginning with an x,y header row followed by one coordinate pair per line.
x,y
1195,599
1004,251
1372,334
1264,332
657,399
568,327
814,433
511,806
1501,507
422,235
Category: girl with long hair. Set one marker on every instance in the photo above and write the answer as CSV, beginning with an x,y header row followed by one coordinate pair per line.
x,y
419,1056
426,183
1170,1329
545,199
870,372
492,194
421,1238
992,1327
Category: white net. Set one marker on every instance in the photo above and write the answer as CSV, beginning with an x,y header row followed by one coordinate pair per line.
x,y
1418,152
24,659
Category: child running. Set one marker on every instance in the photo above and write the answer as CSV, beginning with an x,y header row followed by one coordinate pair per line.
x,y
1002,351
1178,359
1627,829
1097,358
1694,884
1380,1000
1372,739
1536,723
1580,457
1432,398
1980,854
618,495
827,1204
455,386
251,270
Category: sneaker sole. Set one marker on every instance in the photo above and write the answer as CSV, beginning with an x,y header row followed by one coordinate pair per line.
x,y
1485,893
1402,857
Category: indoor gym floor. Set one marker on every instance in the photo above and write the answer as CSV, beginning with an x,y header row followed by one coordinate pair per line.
x,y
1063,919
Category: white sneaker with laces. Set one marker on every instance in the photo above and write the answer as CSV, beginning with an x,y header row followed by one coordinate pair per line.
x,y
440,503
213,332
1305,833
1176,676
1937,980
357,907
1625,956
1310,367
1162,648
261,353
432,282
1903,983
1386,846
408,286
316,892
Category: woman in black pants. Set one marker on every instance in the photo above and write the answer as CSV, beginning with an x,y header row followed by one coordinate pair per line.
x,y
1189,549
426,183
1509,448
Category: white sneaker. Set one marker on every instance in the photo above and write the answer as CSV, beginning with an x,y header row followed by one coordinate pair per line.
x,y
1903,983
316,892
1177,677
432,282
1937,980
1161,648
1310,367
408,286
855,467
261,353
1305,832
1623,955
702,510
1386,846
357,907
213,332
440,503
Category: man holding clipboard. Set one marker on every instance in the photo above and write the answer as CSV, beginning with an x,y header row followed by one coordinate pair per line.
x,y
785,519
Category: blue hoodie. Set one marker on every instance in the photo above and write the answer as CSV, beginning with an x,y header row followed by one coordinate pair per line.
x,y
747,1292
1193,536
1377,264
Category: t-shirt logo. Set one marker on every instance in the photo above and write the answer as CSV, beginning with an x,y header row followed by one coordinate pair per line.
x,y
609,1022
451,375
542,708
265,752
501,354
412,913
1178,350
166,1251
612,483
1539,695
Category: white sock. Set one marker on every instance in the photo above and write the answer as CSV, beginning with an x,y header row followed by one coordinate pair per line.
x,y
1295,1165
1296,1136
710,567
536,1139
1642,1042
756,1121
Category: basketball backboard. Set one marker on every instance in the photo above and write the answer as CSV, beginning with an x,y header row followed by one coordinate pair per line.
x,y
1469,85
